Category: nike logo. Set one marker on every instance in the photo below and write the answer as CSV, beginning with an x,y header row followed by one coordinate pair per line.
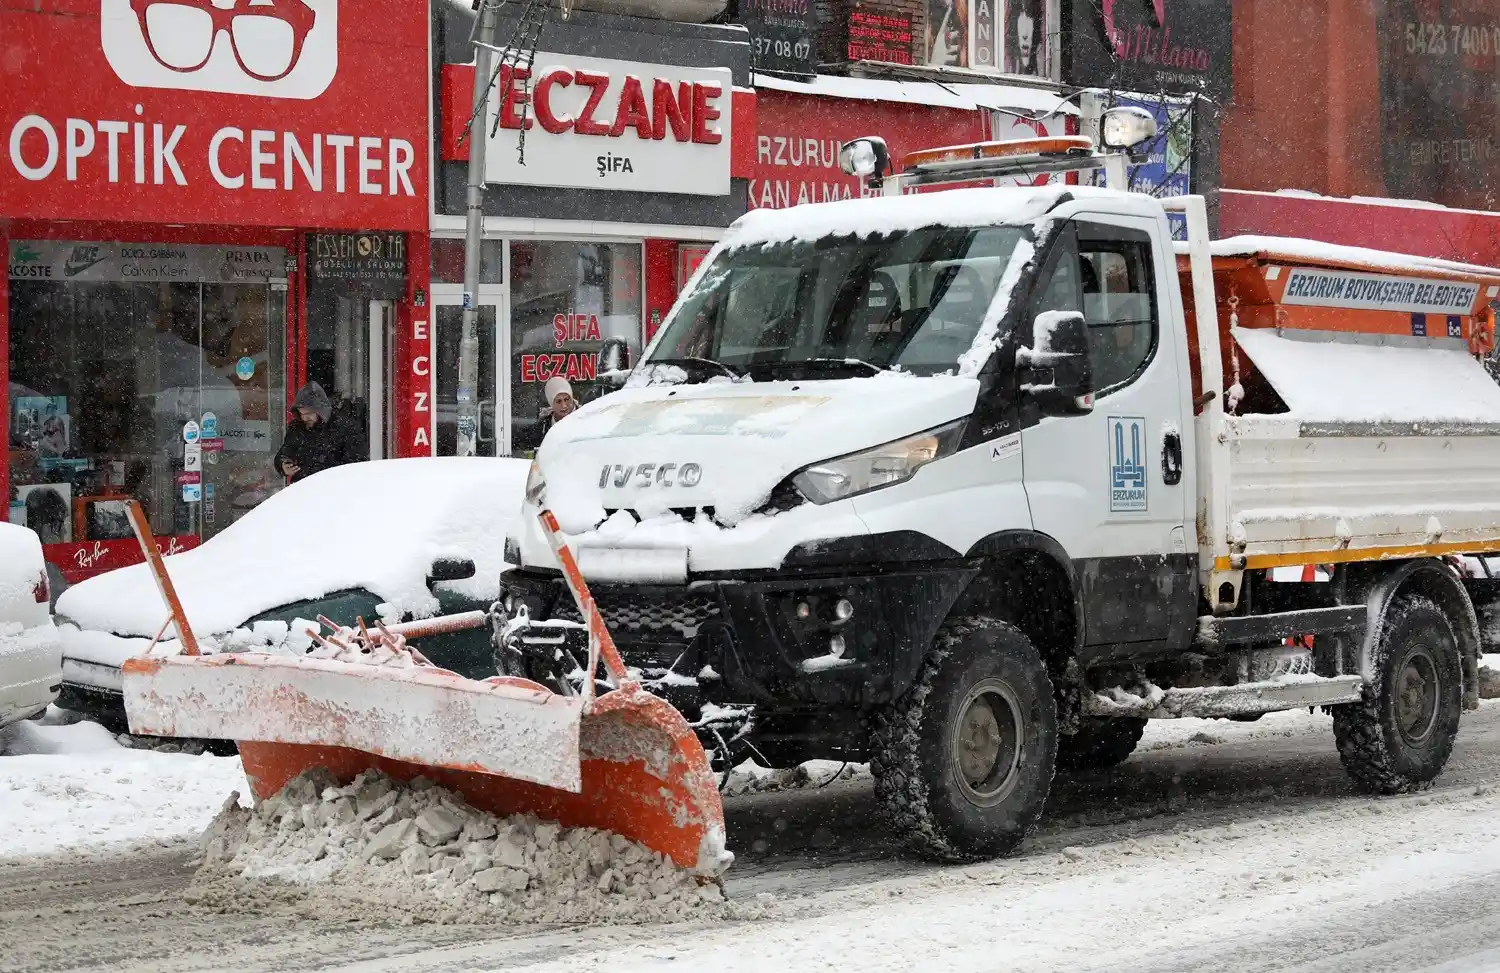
x,y
75,266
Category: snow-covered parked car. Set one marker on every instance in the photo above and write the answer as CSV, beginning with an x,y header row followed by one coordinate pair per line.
x,y
30,654
384,540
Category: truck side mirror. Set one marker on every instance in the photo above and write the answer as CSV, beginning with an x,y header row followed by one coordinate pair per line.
x,y
614,356
1056,372
449,569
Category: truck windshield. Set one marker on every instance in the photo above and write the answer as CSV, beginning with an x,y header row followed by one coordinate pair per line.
x,y
839,306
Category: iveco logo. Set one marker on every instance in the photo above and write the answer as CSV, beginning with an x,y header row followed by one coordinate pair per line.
x,y
648,474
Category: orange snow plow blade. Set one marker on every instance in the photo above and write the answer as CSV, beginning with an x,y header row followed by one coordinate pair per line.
x,y
625,761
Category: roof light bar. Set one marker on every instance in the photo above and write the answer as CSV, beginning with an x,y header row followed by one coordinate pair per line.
x,y
950,155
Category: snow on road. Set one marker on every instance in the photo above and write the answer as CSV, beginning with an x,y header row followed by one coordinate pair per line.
x,y
73,788
1267,859
1119,905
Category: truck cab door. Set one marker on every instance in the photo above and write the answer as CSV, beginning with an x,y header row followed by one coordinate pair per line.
x,y
1111,485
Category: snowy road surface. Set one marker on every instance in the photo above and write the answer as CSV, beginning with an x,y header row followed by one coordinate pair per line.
x,y
1245,849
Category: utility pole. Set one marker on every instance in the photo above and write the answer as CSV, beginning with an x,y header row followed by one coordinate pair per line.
x,y
487,12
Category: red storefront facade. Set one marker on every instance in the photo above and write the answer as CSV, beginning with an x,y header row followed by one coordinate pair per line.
x,y
204,211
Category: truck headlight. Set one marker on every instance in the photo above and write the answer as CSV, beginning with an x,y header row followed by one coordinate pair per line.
x,y
536,487
882,466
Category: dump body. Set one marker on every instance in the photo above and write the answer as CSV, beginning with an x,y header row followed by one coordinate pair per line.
x,y
1357,423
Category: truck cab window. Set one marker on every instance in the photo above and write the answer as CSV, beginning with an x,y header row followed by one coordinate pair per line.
x,y
1107,275
1119,303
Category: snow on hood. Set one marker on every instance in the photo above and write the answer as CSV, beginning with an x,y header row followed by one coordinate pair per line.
x,y
376,526
1329,381
744,439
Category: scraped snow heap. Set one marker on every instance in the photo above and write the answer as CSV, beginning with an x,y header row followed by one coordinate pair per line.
x,y
379,848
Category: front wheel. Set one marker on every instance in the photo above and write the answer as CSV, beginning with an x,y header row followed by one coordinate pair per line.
x,y
963,762
1399,737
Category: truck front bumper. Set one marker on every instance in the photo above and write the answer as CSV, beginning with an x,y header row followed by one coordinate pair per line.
x,y
847,639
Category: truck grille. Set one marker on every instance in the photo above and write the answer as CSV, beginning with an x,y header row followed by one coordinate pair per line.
x,y
636,617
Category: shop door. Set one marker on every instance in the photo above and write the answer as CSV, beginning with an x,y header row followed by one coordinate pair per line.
x,y
566,298
349,355
447,334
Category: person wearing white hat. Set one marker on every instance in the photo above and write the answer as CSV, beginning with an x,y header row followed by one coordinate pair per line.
x,y
560,402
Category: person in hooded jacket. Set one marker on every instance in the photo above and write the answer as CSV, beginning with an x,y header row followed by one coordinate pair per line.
x,y
317,440
560,402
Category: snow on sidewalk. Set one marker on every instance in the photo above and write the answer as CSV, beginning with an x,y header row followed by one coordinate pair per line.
x,y
73,788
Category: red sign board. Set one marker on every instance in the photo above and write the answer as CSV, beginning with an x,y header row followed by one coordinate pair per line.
x,y
875,36
84,560
288,114
798,138
688,259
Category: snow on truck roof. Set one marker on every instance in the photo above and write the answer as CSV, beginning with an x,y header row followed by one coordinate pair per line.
x,y
980,206
1293,250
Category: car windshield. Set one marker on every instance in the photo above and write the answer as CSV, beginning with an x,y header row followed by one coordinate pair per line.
x,y
839,306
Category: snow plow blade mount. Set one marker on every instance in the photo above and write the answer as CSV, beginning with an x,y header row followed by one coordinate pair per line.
x,y
625,761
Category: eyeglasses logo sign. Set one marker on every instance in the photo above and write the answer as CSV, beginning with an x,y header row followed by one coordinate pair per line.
x,y
263,48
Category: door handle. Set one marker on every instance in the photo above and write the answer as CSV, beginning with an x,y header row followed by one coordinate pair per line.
x,y
1171,458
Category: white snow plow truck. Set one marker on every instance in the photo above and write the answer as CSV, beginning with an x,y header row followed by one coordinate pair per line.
x,y
972,483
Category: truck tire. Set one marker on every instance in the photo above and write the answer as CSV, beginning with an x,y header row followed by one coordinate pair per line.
x,y
1398,738
1099,744
963,762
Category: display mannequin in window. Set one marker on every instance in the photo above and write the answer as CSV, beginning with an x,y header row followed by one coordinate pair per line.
x,y
317,439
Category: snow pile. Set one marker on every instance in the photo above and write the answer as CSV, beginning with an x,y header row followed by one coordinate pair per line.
x,y
21,564
418,851
83,650
986,206
1326,381
334,531
72,787
1294,250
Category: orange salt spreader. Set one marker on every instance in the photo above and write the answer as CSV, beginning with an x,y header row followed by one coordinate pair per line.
x,y
622,761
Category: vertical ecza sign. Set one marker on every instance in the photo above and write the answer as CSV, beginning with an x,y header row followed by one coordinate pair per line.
x,y
421,386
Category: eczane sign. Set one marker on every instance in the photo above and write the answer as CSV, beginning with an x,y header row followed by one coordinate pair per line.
x,y
593,123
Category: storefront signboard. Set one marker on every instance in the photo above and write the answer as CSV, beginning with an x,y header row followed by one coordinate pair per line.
x,y
1153,46
299,114
797,143
993,36
781,35
594,123
69,261
376,260
879,35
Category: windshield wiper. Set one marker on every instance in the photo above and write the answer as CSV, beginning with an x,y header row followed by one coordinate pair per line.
x,y
828,364
691,360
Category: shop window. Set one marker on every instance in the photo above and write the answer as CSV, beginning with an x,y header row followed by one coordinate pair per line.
x,y
566,299
107,370
448,262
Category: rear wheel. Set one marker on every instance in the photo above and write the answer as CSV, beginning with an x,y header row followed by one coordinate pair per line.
x,y
963,762
1099,744
1399,737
